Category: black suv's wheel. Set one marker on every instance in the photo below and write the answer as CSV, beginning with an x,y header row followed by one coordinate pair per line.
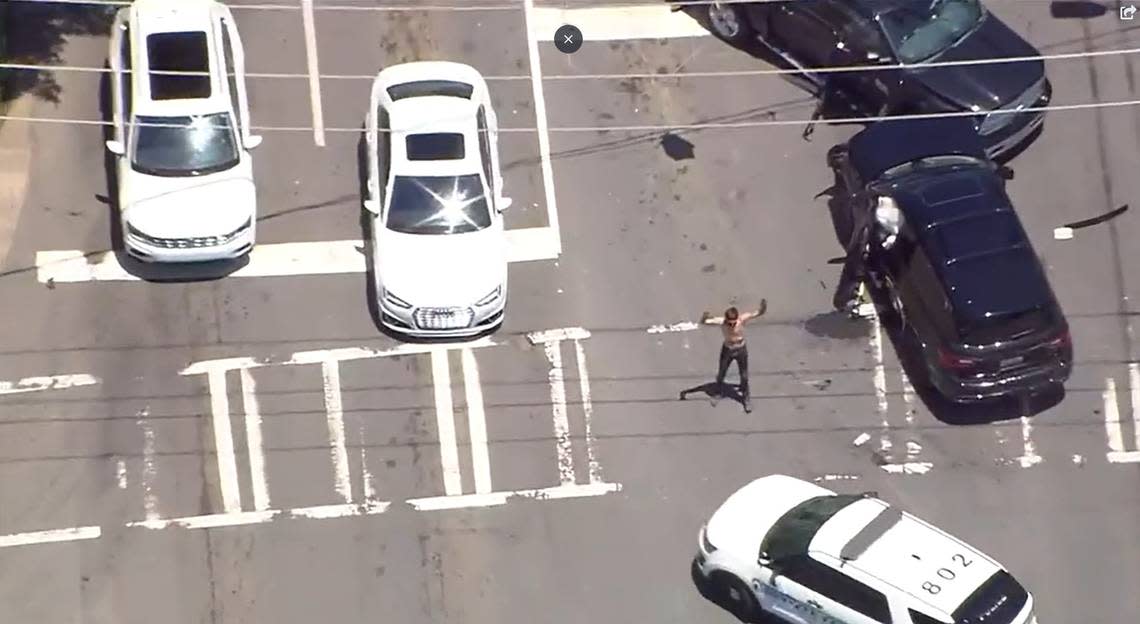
x,y
729,22
736,596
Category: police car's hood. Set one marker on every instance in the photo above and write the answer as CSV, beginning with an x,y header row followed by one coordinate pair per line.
x,y
188,207
739,525
987,86
441,270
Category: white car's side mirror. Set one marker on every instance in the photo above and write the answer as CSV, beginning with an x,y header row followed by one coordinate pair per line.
x,y
372,206
252,141
504,203
116,147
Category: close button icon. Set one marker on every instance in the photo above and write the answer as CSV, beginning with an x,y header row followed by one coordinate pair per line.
x,y
567,39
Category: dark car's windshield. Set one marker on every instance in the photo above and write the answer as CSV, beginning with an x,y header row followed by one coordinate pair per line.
x,y
931,162
918,31
184,146
792,533
438,205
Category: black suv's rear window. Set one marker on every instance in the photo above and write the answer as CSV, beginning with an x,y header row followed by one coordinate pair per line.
x,y
988,232
421,88
997,601
178,52
1006,327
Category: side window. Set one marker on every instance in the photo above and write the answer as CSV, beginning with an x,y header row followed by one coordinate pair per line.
x,y
858,32
383,141
921,618
834,585
125,77
485,149
230,69
930,290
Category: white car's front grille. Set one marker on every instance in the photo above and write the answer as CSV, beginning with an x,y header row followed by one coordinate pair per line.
x,y
188,243
443,318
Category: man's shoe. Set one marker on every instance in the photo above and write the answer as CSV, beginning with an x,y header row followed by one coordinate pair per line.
x,y
748,406
682,398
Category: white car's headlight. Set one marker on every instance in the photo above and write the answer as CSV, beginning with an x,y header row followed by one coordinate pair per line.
x,y
396,301
491,296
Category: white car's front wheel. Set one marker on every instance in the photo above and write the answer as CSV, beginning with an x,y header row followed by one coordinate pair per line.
x,y
736,596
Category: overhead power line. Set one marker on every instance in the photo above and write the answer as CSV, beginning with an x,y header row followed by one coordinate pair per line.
x,y
641,75
653,127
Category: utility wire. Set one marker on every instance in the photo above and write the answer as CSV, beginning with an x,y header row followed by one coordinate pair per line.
x,y
651,127
643,75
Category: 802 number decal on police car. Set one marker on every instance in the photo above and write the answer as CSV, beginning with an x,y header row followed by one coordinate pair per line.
x,y
946,574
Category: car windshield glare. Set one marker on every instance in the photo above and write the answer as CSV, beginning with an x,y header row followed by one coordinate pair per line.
x,y
792,533
919,31
931,162
184,146
438,205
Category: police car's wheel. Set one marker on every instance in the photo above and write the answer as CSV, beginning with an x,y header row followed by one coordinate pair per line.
x,y
737,596
728,22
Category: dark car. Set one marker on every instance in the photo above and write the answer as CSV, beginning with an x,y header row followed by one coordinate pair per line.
x,y
938,238
904,37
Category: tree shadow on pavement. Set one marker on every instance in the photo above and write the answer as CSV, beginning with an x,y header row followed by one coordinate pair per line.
x,y
36,33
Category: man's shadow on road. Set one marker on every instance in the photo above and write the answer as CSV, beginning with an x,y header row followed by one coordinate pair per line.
x,y
714,392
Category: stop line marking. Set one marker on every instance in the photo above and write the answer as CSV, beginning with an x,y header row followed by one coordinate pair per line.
x,y
617,23
52,382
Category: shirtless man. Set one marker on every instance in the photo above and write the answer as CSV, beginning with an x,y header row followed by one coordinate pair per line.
x,y
734,347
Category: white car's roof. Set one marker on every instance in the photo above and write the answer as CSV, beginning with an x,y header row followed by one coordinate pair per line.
x,y
434,115
743,519
903,552
156,17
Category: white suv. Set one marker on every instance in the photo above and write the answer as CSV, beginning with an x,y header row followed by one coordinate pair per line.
x,y
181,132
810,556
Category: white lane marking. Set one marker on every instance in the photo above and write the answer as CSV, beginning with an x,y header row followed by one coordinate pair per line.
x,y
476,422
276,259
588,411
209,521
880,381
1029,456
309,24
836,477
861,439
445,422
334,413
258,481
913,447
533,28
224,441
1134,386
675,327
1112,425
121,473
555,335
558,408
46,537
150,471
53,382
618,23
493,499
366,474
908,468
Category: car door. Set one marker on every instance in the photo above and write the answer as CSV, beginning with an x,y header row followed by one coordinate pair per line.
x,y
805,31
234,57
794,597
861,44
119,79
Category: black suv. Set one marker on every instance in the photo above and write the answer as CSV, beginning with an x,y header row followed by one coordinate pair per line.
x,y
935,235
811,34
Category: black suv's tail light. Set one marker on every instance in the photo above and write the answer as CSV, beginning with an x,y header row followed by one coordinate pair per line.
x,y
1061,340
949,359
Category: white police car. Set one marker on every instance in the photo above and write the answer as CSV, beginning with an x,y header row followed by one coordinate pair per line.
x,y
810,556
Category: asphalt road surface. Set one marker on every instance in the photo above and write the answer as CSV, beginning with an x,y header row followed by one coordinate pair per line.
x,y
253,449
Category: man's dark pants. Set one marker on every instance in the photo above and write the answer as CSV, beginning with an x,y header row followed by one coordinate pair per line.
x,y
727,356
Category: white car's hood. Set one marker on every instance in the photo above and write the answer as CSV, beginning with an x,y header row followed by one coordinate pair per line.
x,y
189,207
441,270
742,521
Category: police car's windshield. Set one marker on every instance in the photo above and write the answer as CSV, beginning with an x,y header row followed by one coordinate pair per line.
x,y
184,146
438,205
919,31
792,533
930,162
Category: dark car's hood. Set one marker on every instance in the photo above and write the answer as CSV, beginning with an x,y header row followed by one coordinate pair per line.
x,y
987,86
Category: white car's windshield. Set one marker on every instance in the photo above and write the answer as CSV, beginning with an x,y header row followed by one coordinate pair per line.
x,y
918,31
184,146
438,205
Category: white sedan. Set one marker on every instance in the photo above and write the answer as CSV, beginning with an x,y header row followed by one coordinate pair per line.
x,y
810,556
181,140
435,198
